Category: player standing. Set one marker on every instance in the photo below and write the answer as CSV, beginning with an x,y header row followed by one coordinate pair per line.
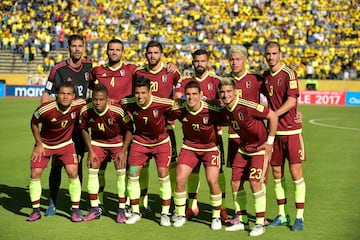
x,y
162,83
209,86
75,70
150,139
117,76
53,139
248,87
199,146
107,122
252,160
282,90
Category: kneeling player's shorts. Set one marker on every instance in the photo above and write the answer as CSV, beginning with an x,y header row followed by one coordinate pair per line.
x,y
252,167
65,154
290,147
139,154
106,153
192,158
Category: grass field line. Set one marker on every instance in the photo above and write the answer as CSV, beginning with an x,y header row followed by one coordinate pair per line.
x,y
317,122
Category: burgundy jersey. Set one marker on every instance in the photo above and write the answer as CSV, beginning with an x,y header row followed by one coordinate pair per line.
x,y
278,87
57,126
162,82
118,81
63,72
248,87
149,120
246,118
106,126
208,84
198,127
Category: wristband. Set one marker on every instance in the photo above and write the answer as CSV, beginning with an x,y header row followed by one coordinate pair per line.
x,y
270,140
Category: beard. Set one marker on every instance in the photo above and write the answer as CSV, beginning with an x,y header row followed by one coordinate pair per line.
x,y
200,71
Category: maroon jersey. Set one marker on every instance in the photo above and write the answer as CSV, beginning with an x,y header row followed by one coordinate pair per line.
x,y
198,127
63,72
118,81
149,120
278,87
57,126
246,118
247,87
162,82
106,126
208,84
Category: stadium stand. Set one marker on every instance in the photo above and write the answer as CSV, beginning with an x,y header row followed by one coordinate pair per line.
x,y
322,35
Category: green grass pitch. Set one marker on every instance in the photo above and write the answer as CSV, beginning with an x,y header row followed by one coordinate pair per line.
x,y
332,208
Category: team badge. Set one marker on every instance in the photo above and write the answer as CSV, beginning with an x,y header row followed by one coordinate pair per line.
x,y
210,86
110,121
73,115
135,113
205,120
248,84
163,78
103,75
155,113
69,79
241,116
122,72
279,81
266,81
87,76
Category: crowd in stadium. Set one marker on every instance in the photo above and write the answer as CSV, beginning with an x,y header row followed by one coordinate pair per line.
x,y
320,39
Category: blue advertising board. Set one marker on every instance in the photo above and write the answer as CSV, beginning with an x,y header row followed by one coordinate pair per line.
x,y
24,90
2,89
352,99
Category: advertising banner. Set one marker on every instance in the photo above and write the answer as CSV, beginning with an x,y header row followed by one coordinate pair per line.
x,y
24,91
321,98
353,98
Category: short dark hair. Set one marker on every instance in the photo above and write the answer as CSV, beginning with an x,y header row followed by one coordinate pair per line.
x,y
272,44
200,52
100,88
154,43
115,40
142,82
193,84
65,85
75,37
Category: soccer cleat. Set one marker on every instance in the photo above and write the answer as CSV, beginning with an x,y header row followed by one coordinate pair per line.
x,y
191,213
93,214
76,215
237,227
257,230
165,220
298,225
216,224
128,212
51,211
121,218
233,220
223,215
280,221
101,209
135,217
145,211
179,221
34,216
